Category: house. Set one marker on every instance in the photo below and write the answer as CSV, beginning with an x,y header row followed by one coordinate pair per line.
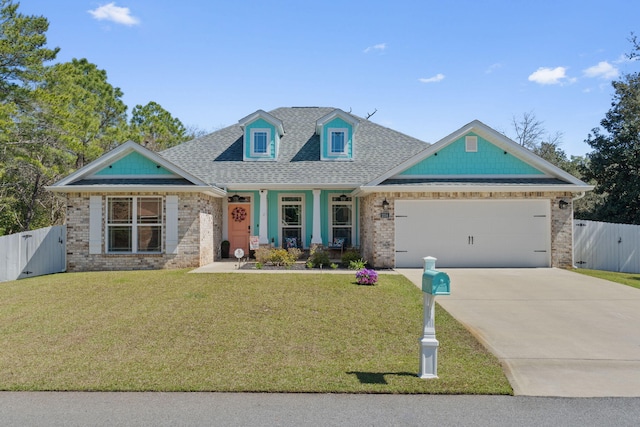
x,y
307,176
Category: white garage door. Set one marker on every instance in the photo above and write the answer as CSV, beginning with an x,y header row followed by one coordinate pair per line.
x,y
473,233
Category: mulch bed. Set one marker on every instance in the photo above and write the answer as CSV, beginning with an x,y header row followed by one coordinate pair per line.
x,y
296,266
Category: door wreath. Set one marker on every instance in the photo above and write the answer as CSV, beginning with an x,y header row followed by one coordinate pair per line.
x,y
238,214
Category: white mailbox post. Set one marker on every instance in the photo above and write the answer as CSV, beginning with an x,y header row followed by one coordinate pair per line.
x,y
433,283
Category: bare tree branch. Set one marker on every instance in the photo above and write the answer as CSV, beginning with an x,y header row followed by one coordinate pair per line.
x,y
529,130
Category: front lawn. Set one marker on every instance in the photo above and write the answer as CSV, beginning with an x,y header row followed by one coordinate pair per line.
x,y
629,279
174,331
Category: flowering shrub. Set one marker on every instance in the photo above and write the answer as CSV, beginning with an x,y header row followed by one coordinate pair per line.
x,y
285,257
281,257
366,277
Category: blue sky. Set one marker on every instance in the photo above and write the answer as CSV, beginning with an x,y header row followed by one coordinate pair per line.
x,y
428,67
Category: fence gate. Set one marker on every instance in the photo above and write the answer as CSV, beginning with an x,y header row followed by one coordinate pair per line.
x,y
606,246
33,253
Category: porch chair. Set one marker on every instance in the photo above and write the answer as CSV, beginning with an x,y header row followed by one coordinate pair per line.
x,y
338,244
290,242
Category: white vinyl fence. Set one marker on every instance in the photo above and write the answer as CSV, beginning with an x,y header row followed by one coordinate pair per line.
x,y
606,246
33,253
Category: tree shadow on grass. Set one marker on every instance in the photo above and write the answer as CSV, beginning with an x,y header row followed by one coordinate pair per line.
x,y
378,377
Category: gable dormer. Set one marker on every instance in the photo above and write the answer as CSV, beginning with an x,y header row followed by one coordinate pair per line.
x,y
336,131
262,133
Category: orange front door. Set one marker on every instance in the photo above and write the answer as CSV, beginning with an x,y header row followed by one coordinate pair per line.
x,y
239,219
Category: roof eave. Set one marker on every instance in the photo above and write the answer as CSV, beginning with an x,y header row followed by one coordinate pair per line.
x,y
457,188
301,186
211,191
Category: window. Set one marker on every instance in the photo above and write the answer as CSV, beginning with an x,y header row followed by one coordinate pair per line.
x,y
341,219
471,144
260,141
338,138
292,221
134,224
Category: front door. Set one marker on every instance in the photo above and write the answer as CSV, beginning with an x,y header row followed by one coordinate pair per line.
x,y
239,215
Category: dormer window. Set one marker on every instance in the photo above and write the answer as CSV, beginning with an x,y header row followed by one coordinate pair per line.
x,y
337,131
338,140
262,133
260,139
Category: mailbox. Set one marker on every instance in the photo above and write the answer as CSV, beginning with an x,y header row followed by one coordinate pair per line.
x,y
436,282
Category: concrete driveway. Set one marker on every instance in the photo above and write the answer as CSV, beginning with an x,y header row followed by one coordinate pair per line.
x,y
557,333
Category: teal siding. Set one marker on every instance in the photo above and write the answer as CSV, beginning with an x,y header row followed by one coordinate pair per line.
x,y
326,146
134,164
272,213
260,124
324,215
255,219
488,160
273,198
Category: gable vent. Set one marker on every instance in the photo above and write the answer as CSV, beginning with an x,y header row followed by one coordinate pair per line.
x,y
471,144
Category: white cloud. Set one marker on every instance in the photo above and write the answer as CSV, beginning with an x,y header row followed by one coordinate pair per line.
x,y
111,12
549,76
380,47
603,70
435,79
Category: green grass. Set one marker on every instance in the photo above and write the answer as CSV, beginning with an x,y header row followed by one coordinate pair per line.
x,y
173,331
629,279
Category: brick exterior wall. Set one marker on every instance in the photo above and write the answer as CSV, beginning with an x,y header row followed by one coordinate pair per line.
x,y
377,235
199,233
562,232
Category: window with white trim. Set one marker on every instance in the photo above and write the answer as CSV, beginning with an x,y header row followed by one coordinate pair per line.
x,y
338,141
260,141
292,221
134,224
341,219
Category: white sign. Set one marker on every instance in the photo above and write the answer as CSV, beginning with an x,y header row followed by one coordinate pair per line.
x,y
254,242
239,253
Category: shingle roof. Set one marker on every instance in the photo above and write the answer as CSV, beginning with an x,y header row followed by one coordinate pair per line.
x,y
217,158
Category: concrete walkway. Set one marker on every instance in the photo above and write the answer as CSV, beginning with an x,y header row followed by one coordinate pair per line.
x,y
557,333
231,266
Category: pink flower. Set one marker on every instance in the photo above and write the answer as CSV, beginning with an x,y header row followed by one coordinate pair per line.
x,y
366,277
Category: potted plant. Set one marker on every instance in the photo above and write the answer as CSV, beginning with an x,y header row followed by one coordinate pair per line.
x,y
224,247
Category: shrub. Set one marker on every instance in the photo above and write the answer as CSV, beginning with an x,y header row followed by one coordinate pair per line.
x,y
319,257
295,253
357,264
366,277
277,257
350,255
281,257
262,255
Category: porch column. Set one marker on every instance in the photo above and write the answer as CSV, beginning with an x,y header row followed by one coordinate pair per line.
x,y
264,223
316,238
